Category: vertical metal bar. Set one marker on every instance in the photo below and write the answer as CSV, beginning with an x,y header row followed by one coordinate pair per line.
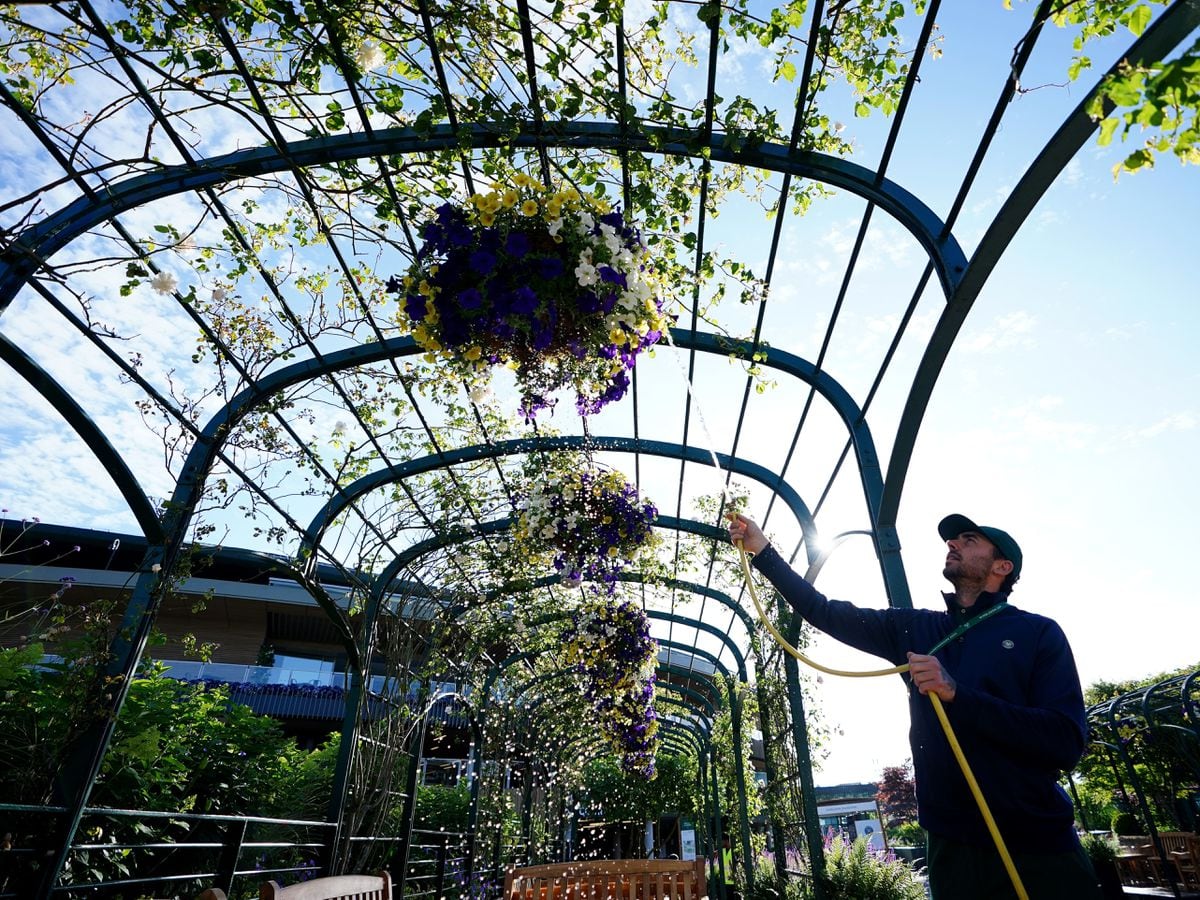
x,y
735,720
765,727
439,887
718,825
416,745
808,796
231,852
473,808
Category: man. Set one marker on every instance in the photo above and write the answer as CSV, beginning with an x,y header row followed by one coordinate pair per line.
x,y
1008,684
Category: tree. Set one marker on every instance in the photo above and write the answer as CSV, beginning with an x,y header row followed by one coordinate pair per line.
x,y
897,796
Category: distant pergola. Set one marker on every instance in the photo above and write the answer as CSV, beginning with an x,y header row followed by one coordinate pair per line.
x,y
267,167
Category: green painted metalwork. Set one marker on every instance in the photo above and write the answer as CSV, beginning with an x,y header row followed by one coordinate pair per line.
x,y
1158,40
43,240
64,404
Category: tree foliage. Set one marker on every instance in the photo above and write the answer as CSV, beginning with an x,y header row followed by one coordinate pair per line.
x,y
897,794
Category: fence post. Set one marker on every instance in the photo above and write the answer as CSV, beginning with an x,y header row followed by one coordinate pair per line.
x,y
231,852
440,885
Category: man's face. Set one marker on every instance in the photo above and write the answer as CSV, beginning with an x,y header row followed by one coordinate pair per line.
x,y
969,558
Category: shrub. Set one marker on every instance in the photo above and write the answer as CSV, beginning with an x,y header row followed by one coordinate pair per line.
x,y
854,872
909,834
1100,848
1126,823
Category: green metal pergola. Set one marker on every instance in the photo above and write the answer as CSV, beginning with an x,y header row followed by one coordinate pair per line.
x,y
245,177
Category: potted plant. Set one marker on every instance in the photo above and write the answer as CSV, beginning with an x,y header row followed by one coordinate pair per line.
x,y
609,644
555,285
589,522
1102,851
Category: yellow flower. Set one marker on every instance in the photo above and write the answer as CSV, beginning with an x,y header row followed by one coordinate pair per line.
x,y
529,208
487,219
478,200
408,282
473,354
616,336
510,198
522,180
425,289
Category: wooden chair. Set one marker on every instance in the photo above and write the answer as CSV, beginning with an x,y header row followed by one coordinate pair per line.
x,y
336,887
211,894
1187,862
1174,845
608,879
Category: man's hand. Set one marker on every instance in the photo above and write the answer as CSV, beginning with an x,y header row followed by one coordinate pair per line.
x,y
929,676
744,530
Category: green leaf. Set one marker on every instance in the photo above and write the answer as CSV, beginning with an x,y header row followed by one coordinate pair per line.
x,y
1107,128
1139,18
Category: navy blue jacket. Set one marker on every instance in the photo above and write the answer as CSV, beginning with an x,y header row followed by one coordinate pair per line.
x,y
1017,713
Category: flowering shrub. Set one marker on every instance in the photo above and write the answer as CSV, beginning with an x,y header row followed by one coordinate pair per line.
x,y
610,644
554,285
591,519
853,871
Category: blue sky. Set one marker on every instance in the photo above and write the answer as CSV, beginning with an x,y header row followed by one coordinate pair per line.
x,y
1067,412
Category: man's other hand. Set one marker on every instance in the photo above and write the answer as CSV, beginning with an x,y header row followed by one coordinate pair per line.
x,y
930,677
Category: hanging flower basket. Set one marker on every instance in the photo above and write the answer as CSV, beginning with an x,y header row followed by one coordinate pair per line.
x,y
591,521
610,644
554,285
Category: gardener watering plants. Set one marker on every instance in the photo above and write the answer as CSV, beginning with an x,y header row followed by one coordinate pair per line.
x,y
1005,681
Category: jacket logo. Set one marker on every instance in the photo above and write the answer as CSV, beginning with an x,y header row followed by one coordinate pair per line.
x,y
1007,644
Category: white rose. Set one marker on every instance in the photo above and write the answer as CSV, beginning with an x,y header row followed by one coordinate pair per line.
x,y
164,283
369,56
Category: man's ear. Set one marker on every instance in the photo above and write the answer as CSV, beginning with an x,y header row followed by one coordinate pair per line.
x,y
1006,566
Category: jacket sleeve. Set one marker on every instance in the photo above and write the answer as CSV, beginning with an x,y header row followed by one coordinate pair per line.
x,y
873,631
1051,731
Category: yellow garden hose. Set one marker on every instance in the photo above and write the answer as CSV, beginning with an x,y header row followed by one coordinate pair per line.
x,y
937,708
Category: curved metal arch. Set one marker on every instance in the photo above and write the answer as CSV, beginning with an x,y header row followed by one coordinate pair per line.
x,y
670,450
494,526
41,241
95,439
381,584
1159,39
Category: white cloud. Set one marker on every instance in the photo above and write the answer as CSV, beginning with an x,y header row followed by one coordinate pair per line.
x,y
1175,422
1004,332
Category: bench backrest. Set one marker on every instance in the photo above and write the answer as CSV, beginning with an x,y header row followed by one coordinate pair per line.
x,y
609,879
336,887
1175,840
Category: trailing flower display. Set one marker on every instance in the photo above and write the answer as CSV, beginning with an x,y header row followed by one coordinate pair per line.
x,y
610,645
592,521
554,285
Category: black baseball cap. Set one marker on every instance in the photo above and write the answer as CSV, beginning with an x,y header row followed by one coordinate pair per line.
x,y
954,525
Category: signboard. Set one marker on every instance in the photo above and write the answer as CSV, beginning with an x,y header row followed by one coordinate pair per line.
x,y
687,843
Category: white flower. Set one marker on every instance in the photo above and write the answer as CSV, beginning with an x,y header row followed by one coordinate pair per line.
x,y
571,580
368,56
839,127
585,274
186,244
554,226
164,283
218,294
480,392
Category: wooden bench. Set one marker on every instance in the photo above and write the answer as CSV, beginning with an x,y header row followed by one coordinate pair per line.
x,y
335,887
609,879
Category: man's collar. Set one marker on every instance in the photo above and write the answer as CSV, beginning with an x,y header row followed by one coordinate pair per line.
x,y
983,602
